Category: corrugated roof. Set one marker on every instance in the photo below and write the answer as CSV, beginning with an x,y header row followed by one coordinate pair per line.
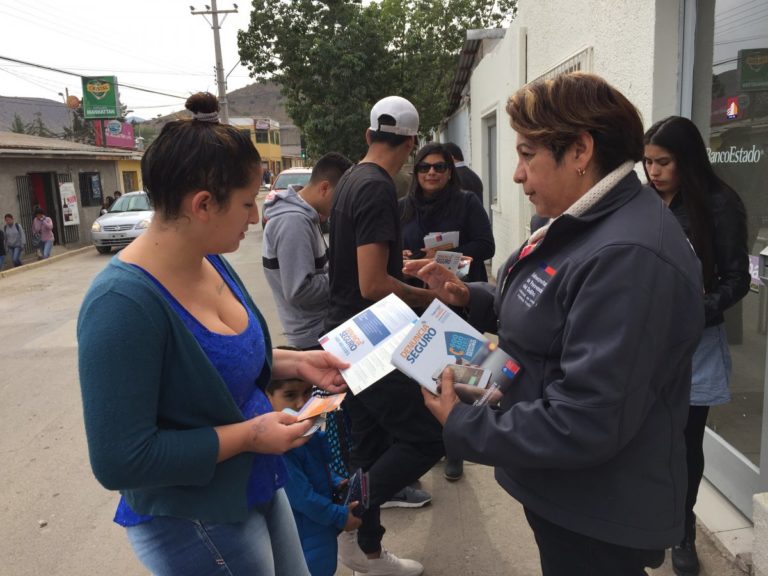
x,y
467,62
13,144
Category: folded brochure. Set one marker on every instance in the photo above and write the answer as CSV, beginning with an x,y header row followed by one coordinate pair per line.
x,y
367,340
441,338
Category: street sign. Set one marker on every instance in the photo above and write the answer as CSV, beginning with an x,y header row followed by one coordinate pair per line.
x,y
100,97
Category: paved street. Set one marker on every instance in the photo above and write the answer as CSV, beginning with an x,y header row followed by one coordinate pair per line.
x,y
57,520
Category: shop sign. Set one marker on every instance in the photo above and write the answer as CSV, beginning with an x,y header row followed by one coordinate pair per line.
x,y
120,135
732,109
100,97
753,69
736,155
69,204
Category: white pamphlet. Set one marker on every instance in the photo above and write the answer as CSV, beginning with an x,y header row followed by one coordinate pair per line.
x,y
368,339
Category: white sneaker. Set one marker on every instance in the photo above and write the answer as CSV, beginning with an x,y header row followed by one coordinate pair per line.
x,y
350,554
390,565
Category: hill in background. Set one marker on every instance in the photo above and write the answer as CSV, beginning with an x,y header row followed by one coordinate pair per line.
x,y
54,114
257,100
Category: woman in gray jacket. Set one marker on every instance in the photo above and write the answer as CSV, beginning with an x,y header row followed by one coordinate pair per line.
x,y
602,308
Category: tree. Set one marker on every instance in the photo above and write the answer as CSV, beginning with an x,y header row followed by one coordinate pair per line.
x,y
335,58
81,130
18,125
38,128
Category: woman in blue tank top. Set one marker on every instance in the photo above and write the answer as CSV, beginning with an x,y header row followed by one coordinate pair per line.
x,y
178,421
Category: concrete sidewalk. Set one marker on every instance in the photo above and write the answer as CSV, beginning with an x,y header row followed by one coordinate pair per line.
x,y
472,527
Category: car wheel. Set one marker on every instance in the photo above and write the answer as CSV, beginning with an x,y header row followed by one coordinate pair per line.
x,y
104,249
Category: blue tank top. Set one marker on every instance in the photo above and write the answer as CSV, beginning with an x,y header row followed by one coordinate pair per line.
x,y
239,360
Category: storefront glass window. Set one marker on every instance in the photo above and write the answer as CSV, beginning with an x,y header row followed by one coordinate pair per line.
x,y
735,125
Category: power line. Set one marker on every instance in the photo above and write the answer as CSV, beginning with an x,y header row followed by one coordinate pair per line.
x,y
60,71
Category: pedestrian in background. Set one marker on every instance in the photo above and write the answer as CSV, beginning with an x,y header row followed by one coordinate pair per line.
x,y
15,239
179,422
394,437
468,177
294,251
715,221
3,249
589,438
436,202
42,233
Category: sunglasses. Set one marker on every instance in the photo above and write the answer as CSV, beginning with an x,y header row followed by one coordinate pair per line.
x,y
439,167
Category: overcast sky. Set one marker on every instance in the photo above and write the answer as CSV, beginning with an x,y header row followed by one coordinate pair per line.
x,y
155,44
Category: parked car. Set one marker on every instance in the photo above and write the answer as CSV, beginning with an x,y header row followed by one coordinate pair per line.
x,y
288,177
127,218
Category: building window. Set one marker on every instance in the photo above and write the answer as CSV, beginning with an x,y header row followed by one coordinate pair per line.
x,y
90,188
275,137
130,181
262,137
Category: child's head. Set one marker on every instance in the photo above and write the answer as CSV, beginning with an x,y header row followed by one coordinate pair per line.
x,y
291,394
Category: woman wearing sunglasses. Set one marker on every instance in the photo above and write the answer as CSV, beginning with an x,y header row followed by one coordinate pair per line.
x,y
436,203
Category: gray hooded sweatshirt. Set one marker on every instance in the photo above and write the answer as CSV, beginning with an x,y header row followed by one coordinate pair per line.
x,y
296,266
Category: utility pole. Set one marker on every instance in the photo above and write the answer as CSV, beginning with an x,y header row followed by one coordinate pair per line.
x,y
220,80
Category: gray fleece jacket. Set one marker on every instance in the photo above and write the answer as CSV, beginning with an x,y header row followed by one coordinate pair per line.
x,y
296,266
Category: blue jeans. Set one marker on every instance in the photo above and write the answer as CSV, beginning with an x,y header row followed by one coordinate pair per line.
x,y
266,544
16,255
45,248
2,260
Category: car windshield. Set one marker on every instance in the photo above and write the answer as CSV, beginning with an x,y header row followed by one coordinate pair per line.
x,y
131,204
285,180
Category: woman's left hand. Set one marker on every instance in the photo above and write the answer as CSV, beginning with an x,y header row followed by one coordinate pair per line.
x,y
322,369
441,405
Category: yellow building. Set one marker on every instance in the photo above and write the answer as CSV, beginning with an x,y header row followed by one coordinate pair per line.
x,y
265,135
130,174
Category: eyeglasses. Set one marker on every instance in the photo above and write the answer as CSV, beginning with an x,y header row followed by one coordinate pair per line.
x,y
439,167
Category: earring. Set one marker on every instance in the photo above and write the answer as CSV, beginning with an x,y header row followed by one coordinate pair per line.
x,y
580,171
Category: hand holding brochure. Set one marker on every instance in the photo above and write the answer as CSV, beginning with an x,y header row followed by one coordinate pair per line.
x,y
441,338
367,340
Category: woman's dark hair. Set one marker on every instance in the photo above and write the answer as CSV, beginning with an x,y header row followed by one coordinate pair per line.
x,y
554,112
698,182
446,200
197,154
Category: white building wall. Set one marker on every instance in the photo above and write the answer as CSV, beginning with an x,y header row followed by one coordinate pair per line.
x,y
456,130
635,46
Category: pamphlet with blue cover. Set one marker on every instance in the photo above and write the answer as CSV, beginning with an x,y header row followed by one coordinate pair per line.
x,y
441,338
367,340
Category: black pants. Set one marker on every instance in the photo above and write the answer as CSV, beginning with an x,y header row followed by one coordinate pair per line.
x,y
694,440
567,553
396,439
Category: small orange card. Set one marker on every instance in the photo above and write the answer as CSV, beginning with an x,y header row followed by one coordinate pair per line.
x,y
318,405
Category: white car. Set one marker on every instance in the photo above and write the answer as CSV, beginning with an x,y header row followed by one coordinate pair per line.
x,y
128,217
298,177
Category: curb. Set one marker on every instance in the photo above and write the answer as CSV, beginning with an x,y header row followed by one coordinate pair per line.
x,y
49,260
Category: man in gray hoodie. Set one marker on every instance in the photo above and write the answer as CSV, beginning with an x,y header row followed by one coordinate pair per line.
x,y
294,251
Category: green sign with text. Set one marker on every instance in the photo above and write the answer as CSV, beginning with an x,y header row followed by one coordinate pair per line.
x,y
753,69
100,97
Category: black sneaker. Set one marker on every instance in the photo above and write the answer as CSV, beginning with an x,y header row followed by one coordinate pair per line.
x,y
685,561
454,469
408,497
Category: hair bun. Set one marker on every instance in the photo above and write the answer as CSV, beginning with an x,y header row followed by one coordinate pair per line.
x,y
202,103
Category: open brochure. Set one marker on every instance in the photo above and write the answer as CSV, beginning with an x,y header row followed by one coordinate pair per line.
x,y
441,338
367,340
